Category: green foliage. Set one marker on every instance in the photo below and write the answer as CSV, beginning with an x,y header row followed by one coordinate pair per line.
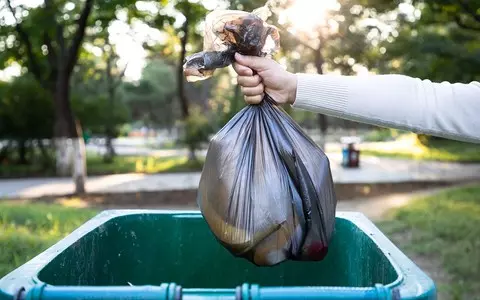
x,y
172,21
41,24
9,168
443,45
152,99
26,110
125,130
26,229
197,128
465,14
226,99
95,113
445,227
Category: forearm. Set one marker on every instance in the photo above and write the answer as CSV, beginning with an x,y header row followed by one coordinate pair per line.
x,y
396,101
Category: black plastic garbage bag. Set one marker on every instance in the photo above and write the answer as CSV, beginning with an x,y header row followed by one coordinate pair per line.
x,y
266,189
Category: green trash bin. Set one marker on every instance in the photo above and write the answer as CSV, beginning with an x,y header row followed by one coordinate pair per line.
x,y
145,254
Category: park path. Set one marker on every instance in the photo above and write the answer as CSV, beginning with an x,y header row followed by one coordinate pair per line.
x,y
373,170
374,208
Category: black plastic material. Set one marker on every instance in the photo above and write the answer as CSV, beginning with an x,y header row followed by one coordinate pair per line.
x,y
266,189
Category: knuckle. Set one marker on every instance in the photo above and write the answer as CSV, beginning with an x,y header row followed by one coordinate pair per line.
x,y
252,82
250,92
241,80
245,81
237,68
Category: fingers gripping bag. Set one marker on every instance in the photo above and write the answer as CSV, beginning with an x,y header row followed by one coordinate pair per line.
x,y
266,189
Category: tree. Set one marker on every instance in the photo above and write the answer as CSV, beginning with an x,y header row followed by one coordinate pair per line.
x,y
54,72
187,35
26,117
193,13
47,41
113,80
443,43
91,88
152,98
464,13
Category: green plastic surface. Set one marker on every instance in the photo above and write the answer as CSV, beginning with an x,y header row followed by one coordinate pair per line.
x,y
122,248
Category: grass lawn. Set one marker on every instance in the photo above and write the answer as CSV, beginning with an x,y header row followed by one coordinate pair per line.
x,y
27,230
141,164
446,228
407,146
121,164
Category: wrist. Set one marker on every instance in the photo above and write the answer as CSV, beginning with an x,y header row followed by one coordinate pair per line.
x,y
292,89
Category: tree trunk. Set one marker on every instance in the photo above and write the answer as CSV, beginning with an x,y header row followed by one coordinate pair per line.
x,y
22,152
46,160
5,151
109,131
64,127
321,119
181,88
180,77
69,143
80,160
110,150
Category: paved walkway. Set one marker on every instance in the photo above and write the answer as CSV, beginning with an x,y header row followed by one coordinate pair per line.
x,y
374,208
372,170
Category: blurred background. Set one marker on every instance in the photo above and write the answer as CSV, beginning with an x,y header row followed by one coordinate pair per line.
x,y
95,113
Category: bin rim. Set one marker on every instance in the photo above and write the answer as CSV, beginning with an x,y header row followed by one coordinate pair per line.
x,y
30,270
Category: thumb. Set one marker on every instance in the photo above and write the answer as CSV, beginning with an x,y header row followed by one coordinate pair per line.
x,y
253,62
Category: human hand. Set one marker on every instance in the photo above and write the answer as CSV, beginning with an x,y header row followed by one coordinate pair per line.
x,y
270,78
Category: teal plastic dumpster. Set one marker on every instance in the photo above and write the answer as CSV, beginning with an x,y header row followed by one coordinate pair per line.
x,y
144,254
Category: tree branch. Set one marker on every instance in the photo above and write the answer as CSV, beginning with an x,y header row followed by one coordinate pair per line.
x,y
58,31
32,59
295,38
72,54
120,77
468,10
52,55
460,24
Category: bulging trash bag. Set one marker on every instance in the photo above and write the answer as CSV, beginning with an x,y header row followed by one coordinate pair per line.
x,y
266,189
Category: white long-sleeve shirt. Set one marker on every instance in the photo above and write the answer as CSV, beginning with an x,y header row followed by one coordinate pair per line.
x,y
450,110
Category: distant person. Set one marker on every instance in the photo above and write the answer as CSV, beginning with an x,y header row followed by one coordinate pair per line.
x,y
449,110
